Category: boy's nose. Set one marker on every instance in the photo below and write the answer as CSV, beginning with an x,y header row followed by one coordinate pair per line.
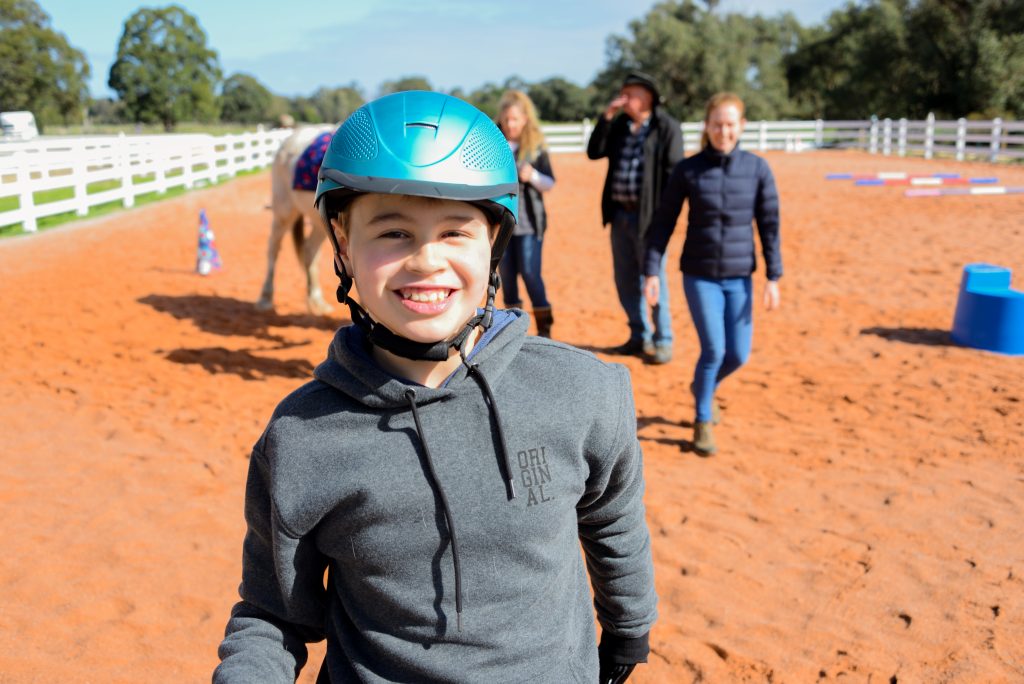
x,y
426,259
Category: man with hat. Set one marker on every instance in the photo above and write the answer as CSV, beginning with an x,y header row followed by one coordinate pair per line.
x,y
642,144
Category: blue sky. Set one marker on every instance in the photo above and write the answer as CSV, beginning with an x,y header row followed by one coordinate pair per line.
x,y
295,46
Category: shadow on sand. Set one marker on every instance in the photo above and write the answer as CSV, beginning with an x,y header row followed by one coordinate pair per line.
x,y
241,362
684,445
929,336
230,316
234,317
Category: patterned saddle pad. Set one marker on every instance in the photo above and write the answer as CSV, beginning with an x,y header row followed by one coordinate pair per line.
x,y
308,165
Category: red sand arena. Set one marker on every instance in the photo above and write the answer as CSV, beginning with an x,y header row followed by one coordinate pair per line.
x,y
862,522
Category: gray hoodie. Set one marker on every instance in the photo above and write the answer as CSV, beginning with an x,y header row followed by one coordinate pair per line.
x,y
399,493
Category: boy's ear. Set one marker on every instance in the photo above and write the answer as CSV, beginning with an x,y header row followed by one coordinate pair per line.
x,y
343,246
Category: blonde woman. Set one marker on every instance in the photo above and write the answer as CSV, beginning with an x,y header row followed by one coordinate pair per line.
x,y
517,119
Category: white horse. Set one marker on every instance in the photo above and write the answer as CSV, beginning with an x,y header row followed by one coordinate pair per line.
x,y
292,210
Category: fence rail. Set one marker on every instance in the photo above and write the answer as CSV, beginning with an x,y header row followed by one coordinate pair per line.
x,y
994,140
50,176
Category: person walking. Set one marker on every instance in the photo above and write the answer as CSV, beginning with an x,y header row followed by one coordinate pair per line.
x,y
517,119
728,189
642,143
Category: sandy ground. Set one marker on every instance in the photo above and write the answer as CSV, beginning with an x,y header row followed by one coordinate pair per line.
x,y
861,523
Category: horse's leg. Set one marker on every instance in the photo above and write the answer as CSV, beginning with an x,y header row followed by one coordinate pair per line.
x,y
311,262
278,227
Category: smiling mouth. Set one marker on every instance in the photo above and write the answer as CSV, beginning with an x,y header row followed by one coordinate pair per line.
x,y
422,296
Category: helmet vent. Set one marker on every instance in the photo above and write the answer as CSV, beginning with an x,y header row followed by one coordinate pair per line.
x,y
486,150
356,140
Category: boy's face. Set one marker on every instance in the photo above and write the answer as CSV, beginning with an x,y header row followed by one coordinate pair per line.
x,y
421,265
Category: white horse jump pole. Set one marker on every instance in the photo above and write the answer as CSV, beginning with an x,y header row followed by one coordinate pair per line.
x,y
983,190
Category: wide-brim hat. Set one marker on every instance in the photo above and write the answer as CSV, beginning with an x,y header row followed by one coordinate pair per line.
x,y
641,79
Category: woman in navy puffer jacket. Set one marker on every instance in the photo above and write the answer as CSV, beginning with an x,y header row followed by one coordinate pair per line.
x,y
728,189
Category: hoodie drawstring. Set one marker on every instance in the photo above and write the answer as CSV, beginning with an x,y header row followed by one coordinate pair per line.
x,y
410,396
510,487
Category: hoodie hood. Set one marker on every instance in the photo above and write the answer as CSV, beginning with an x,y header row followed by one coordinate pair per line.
x,y
346,368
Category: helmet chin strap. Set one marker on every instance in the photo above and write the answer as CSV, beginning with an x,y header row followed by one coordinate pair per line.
x,y
380,336
387,340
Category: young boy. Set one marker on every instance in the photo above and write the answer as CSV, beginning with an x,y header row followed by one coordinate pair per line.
x,y
443,469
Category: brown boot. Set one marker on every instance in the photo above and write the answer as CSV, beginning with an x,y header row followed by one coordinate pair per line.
x,y
716,410
544,321
704,439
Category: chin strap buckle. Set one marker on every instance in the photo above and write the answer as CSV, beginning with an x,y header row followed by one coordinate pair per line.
x,y
492,292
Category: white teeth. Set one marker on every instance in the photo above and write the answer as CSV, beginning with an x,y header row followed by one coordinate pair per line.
x,y
431,297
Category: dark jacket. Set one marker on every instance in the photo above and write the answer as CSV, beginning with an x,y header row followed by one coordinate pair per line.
x,y
531,200
386,485
663,148
726,193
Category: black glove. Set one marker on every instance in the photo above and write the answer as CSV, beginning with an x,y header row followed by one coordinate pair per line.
x,y
619,655
612,673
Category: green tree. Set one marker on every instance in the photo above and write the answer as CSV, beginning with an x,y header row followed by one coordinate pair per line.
x,y
305,110
557,99
164,71
901,58
487,97
857,65
39,70
280,106
245,100
968,57
405,83
335,104
106,110
694,52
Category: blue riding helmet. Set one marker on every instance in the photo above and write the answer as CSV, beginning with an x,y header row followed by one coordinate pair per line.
x,y
425,144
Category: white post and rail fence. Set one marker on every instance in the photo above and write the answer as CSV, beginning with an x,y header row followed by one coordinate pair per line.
x,y
50,176
994,140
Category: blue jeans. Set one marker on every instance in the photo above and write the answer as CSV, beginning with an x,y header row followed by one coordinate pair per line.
x,y
522,259
723,315
627,262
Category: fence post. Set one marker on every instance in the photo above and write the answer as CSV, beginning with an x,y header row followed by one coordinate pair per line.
x,y
229,148
124,155
961,141
997,132
873,135
819,133
80,169
23,183
588,128
887,136
261,145
210,150
901,140
762,136
162,155
255,148
188,176
929,136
